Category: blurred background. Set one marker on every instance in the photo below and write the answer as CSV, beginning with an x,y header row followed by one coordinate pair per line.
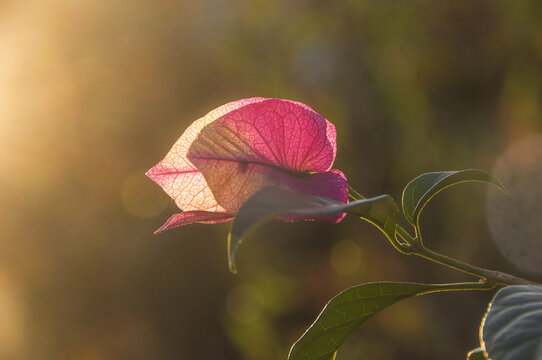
x,y
93,93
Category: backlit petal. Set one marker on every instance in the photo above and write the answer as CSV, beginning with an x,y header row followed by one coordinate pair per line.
x,y
191,217
271,142
179,177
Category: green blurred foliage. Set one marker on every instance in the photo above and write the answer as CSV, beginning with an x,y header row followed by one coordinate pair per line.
x,y
93,93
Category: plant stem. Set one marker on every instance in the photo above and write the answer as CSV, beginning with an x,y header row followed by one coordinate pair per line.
x,y
489,275
412,246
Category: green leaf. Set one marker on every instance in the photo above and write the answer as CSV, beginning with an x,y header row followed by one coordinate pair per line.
x,y
381,211
348,310
476,354
419,191
512,327
273,202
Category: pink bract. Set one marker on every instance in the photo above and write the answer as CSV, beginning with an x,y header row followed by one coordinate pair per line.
x,y
239,148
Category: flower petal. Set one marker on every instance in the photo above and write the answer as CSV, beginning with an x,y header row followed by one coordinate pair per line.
x,y
179,177
280,133
232,183
191,217
271,142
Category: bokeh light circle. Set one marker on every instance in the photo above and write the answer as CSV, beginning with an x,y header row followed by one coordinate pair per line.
x,y
245,303
515,220
345,257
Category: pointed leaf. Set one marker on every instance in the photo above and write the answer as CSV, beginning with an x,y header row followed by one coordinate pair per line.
x,y
476,354
348,310
512,327
274,202
419,191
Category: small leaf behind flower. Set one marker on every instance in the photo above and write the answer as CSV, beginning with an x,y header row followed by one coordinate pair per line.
x,y
512,327
419,191
381,211
348,310
274,202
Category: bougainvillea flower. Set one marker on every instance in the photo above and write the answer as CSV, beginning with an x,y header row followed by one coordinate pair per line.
x,y
239,148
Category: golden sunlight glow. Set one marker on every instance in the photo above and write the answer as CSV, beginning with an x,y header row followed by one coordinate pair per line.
x,y
93,93
11,313
35,94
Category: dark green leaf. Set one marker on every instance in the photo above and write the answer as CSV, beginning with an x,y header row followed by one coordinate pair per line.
x,y
476,354
348,310
512,327
273,202
419,191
